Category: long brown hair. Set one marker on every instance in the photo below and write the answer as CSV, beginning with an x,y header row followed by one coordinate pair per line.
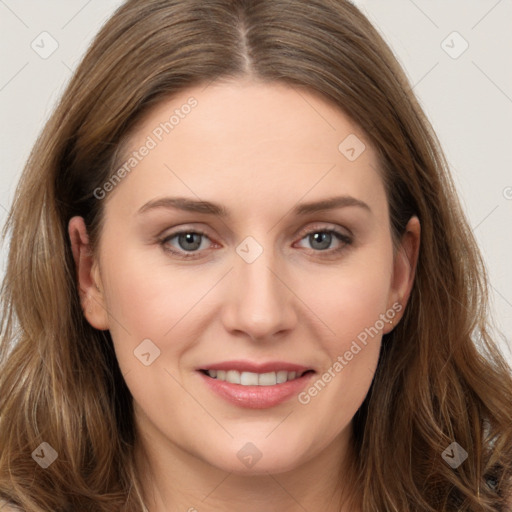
x,y
440,378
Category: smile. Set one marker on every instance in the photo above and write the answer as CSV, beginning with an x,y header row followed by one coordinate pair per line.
x,y
256,389
254,379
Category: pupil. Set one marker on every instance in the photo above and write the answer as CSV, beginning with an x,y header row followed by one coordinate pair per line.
x,y
322,238
188,238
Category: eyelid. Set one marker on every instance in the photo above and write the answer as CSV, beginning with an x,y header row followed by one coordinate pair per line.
x,y
163,240
346,240
321,226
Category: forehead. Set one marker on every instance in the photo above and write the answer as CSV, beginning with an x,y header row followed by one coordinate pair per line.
x,y
247,140
255,115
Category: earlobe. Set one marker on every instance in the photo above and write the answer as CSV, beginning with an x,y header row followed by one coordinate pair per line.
x,y
404,267
87,275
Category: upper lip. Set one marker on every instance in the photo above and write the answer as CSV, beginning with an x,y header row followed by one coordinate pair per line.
x,y
249,366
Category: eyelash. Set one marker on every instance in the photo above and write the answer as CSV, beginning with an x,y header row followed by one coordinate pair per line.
x,y
345,239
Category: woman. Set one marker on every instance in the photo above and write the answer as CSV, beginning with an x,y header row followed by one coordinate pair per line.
x,y
239,278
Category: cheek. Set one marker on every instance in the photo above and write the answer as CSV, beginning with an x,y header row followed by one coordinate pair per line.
x,y
352,298
352,305
152,301
155,303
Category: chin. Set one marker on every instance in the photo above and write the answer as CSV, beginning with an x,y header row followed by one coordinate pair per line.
x,y
259,458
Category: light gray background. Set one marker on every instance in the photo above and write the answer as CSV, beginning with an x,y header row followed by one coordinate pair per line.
x,y
468,98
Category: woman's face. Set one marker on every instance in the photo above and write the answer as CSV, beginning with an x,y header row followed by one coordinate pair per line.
x,y
263,283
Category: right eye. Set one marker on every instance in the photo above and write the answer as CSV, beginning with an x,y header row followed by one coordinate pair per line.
x,y
188,241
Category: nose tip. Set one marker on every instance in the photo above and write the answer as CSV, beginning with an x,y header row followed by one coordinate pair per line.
x,y
259,305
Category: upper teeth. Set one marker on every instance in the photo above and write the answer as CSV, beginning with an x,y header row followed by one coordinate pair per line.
x,y
252,379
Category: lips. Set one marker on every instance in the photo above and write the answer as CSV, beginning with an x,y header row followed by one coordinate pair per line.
x,y
256,385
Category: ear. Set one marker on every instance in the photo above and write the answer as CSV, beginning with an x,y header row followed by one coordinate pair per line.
x,y
404,268
88,275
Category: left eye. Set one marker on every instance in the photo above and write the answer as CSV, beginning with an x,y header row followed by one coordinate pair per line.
x,y
190,242
323,238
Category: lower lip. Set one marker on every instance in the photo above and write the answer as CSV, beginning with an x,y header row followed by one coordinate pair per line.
x,y
257,397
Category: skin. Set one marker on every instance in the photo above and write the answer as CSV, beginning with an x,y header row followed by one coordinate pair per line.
x,y
258,150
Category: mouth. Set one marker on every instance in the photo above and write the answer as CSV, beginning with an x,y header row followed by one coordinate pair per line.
x,y
255,385
246,378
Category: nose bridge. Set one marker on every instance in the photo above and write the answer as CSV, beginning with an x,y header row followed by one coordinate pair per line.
x,y
261,304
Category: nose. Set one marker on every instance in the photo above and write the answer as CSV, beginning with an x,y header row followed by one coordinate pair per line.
x,y
260,303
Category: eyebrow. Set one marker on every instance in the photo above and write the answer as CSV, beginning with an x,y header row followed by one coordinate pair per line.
x,y
207,207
